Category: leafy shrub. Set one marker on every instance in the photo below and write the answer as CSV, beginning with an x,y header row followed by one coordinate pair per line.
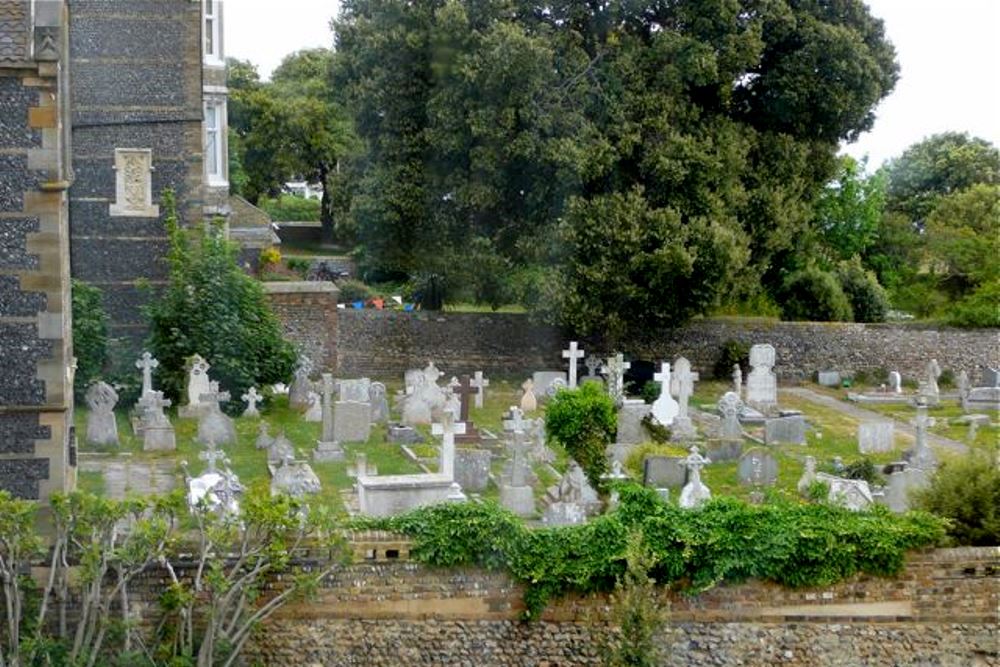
x,y
214,309
90,336
966,492
650,391
353,290
291,208
270,256
979,309
636,610
794,544
299,265
583,422
919,296
814,294
869,302
862,469
731,352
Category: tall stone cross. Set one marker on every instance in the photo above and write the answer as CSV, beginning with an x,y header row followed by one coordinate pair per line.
x,y
147,363
573,353
329,389
518,465
465,391
251,398
694,462
211,455
665,408
214,396
615,371
923,456
448,429
682,384
153,404
480,383
516,421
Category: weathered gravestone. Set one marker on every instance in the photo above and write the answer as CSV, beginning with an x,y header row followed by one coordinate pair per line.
x,y
757,467
762,385
147,364
785,430
327,447
214,426
593,365
157,432
630,428
264,438
895,382
662,472
729,407
379,403
296,479
313,413
542,379
875,437
528,401
829,378
682,385
298,391
102,428
352,421
472,469
695,492
852,494
990,377
198,384
516,493
280,449
251,398
480,383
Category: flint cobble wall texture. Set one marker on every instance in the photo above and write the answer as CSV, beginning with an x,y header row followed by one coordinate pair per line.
x,y
308,314
378,342
942,610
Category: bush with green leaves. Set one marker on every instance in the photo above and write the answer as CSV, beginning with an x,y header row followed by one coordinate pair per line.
x,y
90,336
794,544
966,492
353,290
583,422
212,308
291,208
637,611
979,309
814,294
869,302
731,353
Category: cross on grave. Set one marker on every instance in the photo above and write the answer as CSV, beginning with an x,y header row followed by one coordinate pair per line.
x,y
211,455
153,404
518,466
329,389
480,383
615,371
573,353
251,398
665,408
515,419
147,363
682,383
465,391
593,364
214,396
448,429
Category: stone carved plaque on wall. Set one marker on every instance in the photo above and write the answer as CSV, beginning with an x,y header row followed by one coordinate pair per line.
x,y
134,183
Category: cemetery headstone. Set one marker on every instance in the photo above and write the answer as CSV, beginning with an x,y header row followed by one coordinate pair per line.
x,y
198,383
574,496
480,383
785,430
296,479
352,421
730,407
404,435
738,381
762,385
264,438
962,383
555,387
573,353
516,493
682,385
280,449
147,364
465,391
661,472
213,425
930,386
923,456
990,377
452,401
630,428
313,413
251,398
539,452
665,408
615,371
528,401
102,427
157,432
358,390
594,366
695,492
829,378
895,382
379,402
327,447
542,380
472,469
616,475
298,391
808,476
875,437
757,467
852,494
901,481
447,428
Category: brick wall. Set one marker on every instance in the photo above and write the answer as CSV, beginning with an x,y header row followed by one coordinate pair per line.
x,y
308,314
388,342
942,610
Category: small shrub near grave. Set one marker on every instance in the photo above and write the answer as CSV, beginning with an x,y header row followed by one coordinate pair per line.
x,y
583,422
731,352
90,336
966,492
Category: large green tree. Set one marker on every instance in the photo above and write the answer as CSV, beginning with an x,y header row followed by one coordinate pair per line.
x,y
516,126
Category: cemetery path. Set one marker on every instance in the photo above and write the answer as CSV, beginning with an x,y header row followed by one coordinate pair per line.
x,y
862,414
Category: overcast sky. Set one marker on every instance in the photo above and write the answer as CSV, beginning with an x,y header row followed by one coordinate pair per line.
x,y
948,50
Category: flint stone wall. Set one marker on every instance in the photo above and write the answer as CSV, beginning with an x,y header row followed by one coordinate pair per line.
x,y
940,611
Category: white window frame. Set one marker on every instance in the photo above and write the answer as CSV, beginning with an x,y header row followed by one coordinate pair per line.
x,y
220,177
212,11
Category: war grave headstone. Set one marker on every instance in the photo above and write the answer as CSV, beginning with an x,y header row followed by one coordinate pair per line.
x,y
296,479
480,383
102,427
682,385
251,398
516,493
327,447
665,408
213,425
573,354
875,437
157,432
379,403
661,472
198,383
761,384
790,430
695,492
593,365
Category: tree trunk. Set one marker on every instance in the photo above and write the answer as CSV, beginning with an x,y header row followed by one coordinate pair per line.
x,y
325,208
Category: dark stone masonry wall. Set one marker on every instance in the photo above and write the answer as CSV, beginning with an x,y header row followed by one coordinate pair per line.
x,y
941,611
379,342
308,314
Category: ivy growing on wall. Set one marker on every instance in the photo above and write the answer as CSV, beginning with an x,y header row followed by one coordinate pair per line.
x,y
726,540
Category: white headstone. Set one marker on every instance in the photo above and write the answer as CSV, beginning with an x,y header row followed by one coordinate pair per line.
x,y
251,398
875,437
198,382
694,493
762,385
665,408
480,383
895,382
573,354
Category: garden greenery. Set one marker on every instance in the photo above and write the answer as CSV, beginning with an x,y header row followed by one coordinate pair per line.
x,y
786,542
583,422
90,336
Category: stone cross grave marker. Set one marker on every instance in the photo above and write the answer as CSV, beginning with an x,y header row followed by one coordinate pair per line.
x,y
480,383
211,455
102,428
514,419
615,370
694,492
465,391
738,380
329,388
665,408
448,428
682,383
251,398
147,363
198,382
157,432
573,354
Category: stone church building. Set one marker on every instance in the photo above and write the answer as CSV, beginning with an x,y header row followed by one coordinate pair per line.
x,y
104,104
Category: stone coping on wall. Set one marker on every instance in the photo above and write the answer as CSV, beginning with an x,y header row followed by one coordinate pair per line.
x,y
300,287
